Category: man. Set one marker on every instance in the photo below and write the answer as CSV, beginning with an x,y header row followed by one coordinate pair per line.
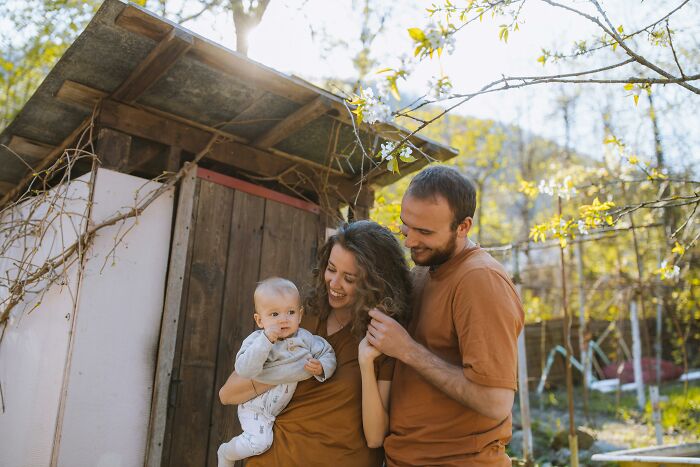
x,y
456,370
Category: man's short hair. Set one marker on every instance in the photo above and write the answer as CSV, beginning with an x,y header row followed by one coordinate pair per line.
x,y
440,180
275,286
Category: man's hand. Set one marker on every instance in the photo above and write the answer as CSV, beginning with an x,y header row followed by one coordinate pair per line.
x,y
388,336
314,367
273,332
366,352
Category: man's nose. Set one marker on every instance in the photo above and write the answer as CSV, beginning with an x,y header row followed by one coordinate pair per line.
x,y
410,240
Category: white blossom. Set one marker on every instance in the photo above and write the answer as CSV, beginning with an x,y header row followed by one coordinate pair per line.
x,y
439,38
582,227
551,187
405,153
439,88
374,109
386,150
668,272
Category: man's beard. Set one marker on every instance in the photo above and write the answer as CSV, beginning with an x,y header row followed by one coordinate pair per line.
x,y
439,255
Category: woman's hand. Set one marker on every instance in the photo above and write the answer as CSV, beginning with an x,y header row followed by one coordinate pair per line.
x,y
366,353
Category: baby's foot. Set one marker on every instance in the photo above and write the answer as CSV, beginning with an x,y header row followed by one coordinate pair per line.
x,y
223,462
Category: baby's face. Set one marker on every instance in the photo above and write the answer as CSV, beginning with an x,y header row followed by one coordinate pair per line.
x,y
280,310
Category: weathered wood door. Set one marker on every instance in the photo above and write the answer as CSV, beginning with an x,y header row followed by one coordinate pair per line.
x,y
240,234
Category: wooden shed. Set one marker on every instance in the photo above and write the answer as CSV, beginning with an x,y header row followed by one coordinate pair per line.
x,y
287,156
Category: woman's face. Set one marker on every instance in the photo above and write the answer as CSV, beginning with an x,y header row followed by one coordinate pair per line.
x,y
341,277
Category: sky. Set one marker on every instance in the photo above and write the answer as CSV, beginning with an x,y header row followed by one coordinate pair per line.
x,y
304,41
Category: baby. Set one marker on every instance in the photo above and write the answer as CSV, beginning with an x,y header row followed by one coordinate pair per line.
x,y
275,354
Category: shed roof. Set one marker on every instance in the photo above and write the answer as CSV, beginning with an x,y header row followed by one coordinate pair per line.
x,y
135,61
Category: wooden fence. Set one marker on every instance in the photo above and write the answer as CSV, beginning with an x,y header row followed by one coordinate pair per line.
x,y
541,338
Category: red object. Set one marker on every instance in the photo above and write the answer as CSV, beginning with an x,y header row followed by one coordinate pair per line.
x,y
625,371
256,190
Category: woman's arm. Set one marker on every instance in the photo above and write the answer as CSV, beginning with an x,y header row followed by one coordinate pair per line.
x,y
375,397
237,389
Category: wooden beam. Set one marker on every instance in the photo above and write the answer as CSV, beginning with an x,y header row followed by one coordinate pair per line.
x,y
184,225
74,93
44,163
293,123
168,51
113,149
31,149
144,124
174,159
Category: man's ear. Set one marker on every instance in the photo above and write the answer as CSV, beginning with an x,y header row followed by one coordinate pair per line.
x,y
257,319
464,227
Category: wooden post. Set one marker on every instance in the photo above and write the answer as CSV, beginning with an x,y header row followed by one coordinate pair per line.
x,y
582,344
171,316
656,414
637,353
573,440
113,149
523,389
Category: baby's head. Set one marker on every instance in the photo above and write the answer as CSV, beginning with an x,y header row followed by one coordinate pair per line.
x,y
277,303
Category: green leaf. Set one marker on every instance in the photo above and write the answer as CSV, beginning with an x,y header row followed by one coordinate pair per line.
x,y
636,99
393,165
394,90
542,59
629,86
416,34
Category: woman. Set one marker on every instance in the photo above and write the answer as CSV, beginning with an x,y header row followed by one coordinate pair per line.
x,y
343,421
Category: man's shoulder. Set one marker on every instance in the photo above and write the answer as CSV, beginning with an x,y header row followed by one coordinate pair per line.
x,y
481,261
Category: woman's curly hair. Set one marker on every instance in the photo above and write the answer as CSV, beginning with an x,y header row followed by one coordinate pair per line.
x,y
384,278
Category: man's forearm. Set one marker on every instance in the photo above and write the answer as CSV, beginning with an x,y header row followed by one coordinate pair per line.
x,y
494,403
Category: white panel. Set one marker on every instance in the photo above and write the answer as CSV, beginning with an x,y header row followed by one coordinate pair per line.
x,y
33,350
110,379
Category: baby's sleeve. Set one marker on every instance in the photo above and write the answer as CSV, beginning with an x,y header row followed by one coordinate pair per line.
x,y
253,354
323,352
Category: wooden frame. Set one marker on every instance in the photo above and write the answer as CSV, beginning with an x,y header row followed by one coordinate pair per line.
x,y
171,315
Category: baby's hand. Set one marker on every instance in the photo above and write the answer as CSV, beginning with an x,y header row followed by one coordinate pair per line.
x,y
273,332
314,367
366,353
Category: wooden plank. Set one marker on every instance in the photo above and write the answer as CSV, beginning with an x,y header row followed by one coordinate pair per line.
x,y
29,148
257,190
74,93
242,267
278,248
113,149
306,248
176,380
184,223
199,343
293,123
168,51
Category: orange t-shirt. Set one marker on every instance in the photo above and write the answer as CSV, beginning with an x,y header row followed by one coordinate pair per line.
x,y
322,425
468,313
